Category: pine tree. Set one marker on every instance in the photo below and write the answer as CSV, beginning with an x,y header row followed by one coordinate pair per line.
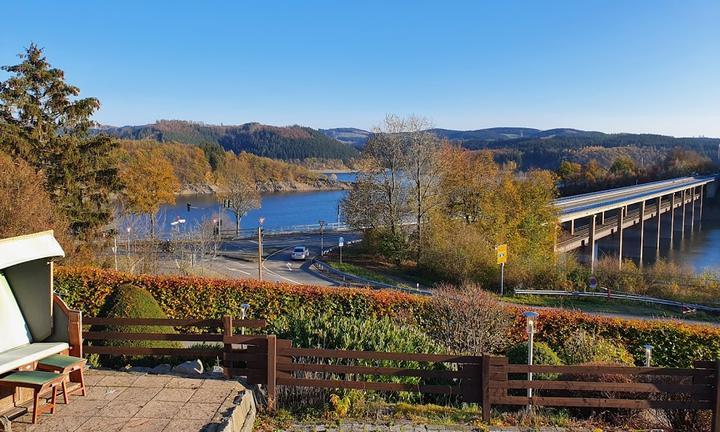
x,y
43,122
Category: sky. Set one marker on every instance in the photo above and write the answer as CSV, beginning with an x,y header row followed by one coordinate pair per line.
x,y
613,66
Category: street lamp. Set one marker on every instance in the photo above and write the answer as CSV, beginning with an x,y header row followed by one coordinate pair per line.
x,y
260,247
322,243
530,317
128,229
648,354
243,313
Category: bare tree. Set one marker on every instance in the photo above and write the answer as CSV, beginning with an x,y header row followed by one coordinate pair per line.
x,y
239,189
422,169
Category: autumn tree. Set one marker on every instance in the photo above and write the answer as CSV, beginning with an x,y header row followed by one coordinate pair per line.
x,y
25,205
382,192
43,122
238,188
149,182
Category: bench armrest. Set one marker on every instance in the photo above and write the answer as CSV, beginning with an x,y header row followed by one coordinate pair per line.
x,y
74,326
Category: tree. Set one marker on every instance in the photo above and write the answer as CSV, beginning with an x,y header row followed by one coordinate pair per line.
x,y
149,182
43,122
239,189
422,170
623,166
25,206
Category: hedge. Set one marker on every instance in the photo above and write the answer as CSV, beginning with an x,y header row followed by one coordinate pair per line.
x,y
676,343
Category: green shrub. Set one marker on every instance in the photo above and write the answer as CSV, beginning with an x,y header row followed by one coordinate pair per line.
x,y
542,355
311,330
584,347
129,301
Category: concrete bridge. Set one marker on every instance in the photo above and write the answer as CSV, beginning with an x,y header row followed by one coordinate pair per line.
x,y
588,217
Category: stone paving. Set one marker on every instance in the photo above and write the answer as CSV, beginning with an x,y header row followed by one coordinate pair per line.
x,y
128,401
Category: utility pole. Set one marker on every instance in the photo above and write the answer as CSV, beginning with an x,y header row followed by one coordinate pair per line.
x,y
322,242
260,247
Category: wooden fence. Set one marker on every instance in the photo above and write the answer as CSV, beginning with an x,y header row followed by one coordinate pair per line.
x,y
487,380
186,330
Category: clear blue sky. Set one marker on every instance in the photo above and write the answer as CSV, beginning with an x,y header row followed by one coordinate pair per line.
x,y
614,66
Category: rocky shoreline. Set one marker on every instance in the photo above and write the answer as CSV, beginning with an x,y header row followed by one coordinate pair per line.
x,y
320,184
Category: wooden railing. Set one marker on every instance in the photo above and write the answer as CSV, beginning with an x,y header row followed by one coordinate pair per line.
x,y
486,380
216,330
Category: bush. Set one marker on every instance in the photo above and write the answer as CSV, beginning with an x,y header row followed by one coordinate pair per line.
x,y
542,355
312,330
584,347
676,344
129,301
469,320
682,419
620,416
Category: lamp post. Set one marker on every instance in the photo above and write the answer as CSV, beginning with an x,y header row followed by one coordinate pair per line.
x,y
260,246
322,231
648,354
530,317
243,313
128,229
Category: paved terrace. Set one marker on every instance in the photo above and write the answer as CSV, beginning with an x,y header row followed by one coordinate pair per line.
x,y
128,401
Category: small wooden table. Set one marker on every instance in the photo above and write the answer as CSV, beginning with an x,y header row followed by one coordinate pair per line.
x,y
39,382
65,365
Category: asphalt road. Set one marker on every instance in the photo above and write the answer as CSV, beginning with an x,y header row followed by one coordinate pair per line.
x,y
239,258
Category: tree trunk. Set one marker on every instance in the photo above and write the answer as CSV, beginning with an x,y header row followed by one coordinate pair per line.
x,y
237,224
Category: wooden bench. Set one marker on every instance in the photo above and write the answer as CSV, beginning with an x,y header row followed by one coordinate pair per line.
x,y
39,382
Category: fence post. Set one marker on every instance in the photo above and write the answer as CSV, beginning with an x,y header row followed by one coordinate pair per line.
x,y
227,332
271,370
716,399
485,377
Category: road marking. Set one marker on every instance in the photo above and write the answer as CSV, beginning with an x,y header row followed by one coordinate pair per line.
x,y
272,272
237,270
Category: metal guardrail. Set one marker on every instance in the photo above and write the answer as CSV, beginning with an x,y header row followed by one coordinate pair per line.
x,y
620,296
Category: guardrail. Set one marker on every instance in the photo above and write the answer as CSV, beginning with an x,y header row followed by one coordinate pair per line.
x,y
620,296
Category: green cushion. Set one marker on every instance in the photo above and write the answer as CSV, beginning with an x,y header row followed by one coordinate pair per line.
x,y
60,361
30,377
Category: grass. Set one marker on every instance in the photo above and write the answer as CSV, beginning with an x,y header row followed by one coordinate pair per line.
x,y
363,273
603,305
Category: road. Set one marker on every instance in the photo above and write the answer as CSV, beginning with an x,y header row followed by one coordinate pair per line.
x,y
238,259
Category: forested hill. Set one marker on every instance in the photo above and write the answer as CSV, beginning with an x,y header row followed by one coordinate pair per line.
x,y
533,148
294,143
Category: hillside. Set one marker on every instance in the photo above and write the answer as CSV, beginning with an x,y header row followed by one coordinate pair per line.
x,y
291,143
195,173
351,136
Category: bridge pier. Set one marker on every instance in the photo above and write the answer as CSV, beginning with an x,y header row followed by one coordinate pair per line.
x,y
602,218
572,227
692,211
642,231
659,224
620,220
702,192
672,219
592,244
684,201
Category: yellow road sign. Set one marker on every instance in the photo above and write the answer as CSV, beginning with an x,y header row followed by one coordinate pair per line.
x,y
501,253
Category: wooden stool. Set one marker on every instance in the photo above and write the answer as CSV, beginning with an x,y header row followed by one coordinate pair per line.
x,y
65,365
39,382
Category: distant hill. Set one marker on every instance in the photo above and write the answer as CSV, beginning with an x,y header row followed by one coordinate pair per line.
x,y
351,136
296,143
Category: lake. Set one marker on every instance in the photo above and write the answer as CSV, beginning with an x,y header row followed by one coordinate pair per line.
x,y
699,250
279,209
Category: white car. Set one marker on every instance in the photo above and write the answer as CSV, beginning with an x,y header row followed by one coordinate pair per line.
x,y
300,253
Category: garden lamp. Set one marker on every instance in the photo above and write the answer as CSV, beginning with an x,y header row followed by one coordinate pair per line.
x,y
243,313
648,354
530,317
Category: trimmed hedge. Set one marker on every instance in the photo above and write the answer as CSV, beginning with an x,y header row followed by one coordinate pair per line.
x,y
676,344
